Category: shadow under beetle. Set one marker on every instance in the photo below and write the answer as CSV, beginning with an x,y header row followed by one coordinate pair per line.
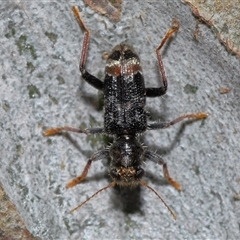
x,y
125,116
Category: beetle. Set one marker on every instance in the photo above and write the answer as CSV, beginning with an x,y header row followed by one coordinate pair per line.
x,y
125,117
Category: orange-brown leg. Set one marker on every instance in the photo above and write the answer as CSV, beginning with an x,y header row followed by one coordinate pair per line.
x,y
157,159
53,131
194,116
85,38
174,183
156,92
95,82
103,154
97,156
78,179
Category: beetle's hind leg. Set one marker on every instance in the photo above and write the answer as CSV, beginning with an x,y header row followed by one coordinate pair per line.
x,y
95,82
157,92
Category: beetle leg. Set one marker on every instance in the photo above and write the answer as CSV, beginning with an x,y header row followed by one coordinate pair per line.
x,y
95,82
194,116
100,155
157,159
157,92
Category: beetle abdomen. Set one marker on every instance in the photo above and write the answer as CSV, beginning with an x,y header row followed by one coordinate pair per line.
x,y
124,93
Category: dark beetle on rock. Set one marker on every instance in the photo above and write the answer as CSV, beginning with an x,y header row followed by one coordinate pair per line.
x,y
125,115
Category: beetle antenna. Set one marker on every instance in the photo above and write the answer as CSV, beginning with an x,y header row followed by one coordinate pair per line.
x,y
169,209
100,190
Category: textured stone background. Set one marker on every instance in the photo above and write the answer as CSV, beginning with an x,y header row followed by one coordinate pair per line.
x,y
41,87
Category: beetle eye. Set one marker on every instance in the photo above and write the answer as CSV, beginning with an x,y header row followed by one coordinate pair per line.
x,y
139,173
114,174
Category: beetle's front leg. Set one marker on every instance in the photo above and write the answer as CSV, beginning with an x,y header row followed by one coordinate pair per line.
x,y
157,159
103,154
